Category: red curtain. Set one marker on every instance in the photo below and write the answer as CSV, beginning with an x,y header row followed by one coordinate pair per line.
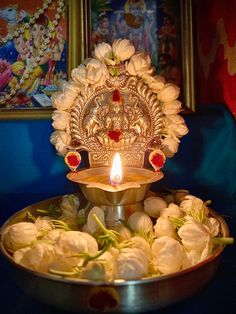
x,y
216,50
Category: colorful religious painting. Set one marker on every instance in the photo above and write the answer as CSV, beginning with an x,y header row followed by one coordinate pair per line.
x,y
151,26
161,28
33,54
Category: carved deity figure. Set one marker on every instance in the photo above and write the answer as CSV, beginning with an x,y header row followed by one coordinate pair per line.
x,y
92,124
116,119
139,121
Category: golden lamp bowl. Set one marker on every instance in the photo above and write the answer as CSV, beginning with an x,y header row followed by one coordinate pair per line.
x,y
135,296
95,185
118,202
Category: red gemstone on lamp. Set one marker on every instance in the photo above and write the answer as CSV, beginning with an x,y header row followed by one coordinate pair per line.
x,y
116,95
73,159
157,159
115,135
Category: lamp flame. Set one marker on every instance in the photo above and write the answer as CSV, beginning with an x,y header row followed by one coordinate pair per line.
x,y
116,172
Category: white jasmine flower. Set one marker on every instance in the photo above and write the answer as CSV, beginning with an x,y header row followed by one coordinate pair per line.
x,y
60,140
101,268
43,225
91,243
153,205
18,254
71,89
139,64
108,258
60,120
91,225
169,198
64,100
213,225
170,145
194,235
97,72
57,100
65,264
72,243
19,235
171,107
39,257
70,205
140,222
164,227
172,210
124,233
69,247
179,195
61,102
193,257
94,270
194,207
167,255
79,75
103,52
122,50
141,244
53,235
175,125
113,251
131,264
81,215
169,92
156,83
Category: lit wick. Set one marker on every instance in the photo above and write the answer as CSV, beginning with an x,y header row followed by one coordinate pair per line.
x,y
116,172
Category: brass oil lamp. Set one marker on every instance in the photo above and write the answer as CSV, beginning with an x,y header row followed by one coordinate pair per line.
x,y
117,124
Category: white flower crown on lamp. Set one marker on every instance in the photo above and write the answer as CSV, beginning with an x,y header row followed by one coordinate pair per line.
x,y
106,69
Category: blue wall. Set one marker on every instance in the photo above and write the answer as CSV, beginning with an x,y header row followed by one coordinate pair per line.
x,y
30,169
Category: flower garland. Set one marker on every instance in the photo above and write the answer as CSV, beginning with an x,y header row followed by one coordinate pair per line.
x,y
95,71
43,46
21,30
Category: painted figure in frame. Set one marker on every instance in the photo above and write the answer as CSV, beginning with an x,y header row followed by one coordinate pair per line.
x,y
23,52
151,26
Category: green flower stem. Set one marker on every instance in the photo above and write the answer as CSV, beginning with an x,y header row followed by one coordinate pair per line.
x,y
110,235
148,236
42,211
88,258
30,216
52,211
59,224
64,273
223,240
177,222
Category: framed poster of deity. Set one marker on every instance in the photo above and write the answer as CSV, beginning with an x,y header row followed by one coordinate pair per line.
x,y
34,41
161,28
